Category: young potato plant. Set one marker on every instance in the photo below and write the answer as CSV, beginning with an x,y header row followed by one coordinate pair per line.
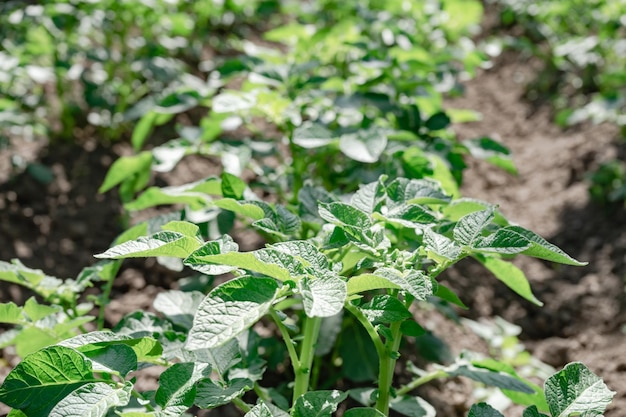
x,y
369,258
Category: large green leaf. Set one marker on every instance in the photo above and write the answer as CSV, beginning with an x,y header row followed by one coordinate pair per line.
x,y
251,261
177,387
117,359
211,395
415,283
469,227
163,243
146,349
503,241
575,390
92,400
179,307
512,276
343,214
229,309
323,295
440,248
318,403
51,373
305,251
540,248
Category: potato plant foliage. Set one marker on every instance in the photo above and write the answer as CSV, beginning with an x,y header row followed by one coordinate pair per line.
x,y
356,151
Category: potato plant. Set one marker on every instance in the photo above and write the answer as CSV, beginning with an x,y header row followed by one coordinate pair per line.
x,y
364,216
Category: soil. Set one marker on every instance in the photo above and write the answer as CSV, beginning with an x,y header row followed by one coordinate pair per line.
x,y
58,226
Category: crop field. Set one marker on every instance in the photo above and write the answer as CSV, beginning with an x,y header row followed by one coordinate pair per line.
x,y
281,208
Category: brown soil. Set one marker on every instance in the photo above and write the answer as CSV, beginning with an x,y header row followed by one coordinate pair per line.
x,y
59,226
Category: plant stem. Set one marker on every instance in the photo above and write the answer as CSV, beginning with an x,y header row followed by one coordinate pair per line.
x,y
421,381
241,404
106,293
293,355
387,367
312,327
371,331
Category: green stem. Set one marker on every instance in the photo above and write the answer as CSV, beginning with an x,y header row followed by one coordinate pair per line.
x,y
312,327
241,404
387,366
106,293
371,331
421,381
293,355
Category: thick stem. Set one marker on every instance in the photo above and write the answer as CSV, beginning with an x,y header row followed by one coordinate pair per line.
x,y
387,366
293,355
307,352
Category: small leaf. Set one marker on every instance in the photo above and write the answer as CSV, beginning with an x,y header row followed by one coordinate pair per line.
x,y
447,294
367,282
10,313
343,214
232,186
198,259
177,387
51,373
364,145
142,129
305,251
211,395
437,121
532,411
415,191
577,390
483,410
385,309
511,275
159,244
470,226
369,198
440,248
492,152
92,400
229,309
329,330
323,296
126,167
245,208
312,135
318,403
491,378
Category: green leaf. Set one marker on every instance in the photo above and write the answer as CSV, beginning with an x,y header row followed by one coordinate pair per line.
x,y
492,152
483,410
369,198
245,208
329,330
305,251
364,145
177,387
221,358
412,328
10,313
179,307
366,282
211,395
437,121
323,295
512,276
163,243
470,226
491,378
308,198
36,311
462,207
412,406
198,259
111,358
229,309
146,349
532,411
317,403
577,390
412,191
360,359
541,248
385,309
410,215
51,373
440,248
124,168
92,400
281,222
504,241
447,294
415,283
263,409
441,173
195,195
343,214
312,135
363,412
251,261
142,129
232,186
